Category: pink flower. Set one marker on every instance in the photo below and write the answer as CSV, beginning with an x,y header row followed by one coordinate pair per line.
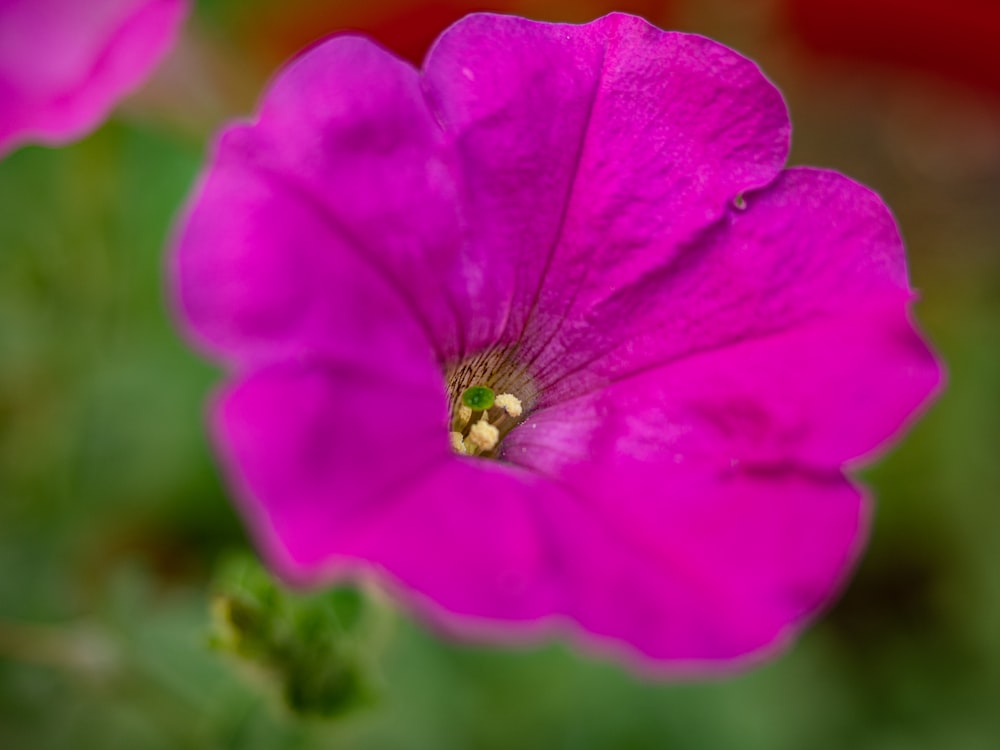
x,y
593,221
64,63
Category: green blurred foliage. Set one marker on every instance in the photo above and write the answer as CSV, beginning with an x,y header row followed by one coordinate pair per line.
x,y
116,534
318,648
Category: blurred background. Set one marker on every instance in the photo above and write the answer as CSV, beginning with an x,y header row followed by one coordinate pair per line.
x,y
117,538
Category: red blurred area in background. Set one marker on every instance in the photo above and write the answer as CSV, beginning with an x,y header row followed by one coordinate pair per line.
x,y
277,31
959,39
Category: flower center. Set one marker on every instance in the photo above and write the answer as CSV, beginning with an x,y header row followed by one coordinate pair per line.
x,y
490,395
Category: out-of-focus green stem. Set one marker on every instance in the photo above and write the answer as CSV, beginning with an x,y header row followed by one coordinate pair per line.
x,y
76,646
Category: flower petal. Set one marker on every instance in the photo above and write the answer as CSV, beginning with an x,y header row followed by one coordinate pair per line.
x,y
716,569
590,153
64,63
477,541
316,448
690,569
814,397
262,274
343,171
812,245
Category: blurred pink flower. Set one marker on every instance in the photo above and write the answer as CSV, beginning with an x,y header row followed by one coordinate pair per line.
x,y
593,221
64,63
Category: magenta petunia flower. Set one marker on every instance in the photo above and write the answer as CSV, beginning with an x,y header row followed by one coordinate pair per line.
x,y
545,335
64,63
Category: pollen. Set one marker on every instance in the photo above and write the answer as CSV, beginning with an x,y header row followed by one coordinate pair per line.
x,y
457,442
509,403
483,436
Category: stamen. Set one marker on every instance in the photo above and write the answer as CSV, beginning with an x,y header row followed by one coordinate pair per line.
x,y
483,407
457,442
483,435
509,403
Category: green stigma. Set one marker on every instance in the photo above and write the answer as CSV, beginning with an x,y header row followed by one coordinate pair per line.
x,y
478,398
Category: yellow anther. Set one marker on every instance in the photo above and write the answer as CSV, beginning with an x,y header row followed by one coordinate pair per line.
x,y
464,414
483,435
457,442
509,403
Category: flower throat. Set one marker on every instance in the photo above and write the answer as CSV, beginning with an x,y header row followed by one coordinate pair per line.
x,y
489,396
